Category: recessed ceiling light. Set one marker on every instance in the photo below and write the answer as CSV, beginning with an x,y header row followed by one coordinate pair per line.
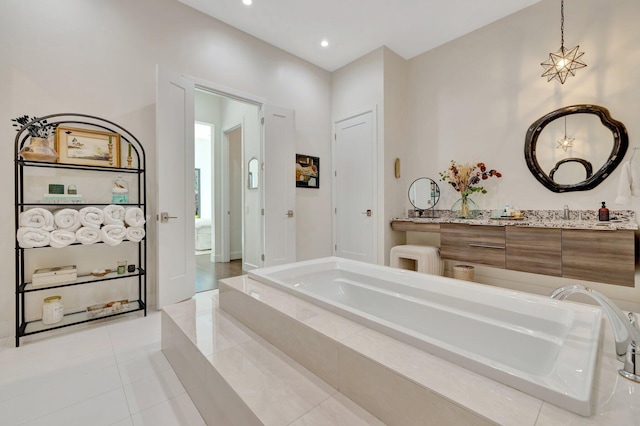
x,y
324,43
247,2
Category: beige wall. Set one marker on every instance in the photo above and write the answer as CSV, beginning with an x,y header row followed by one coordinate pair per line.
x,y
474,98
100,57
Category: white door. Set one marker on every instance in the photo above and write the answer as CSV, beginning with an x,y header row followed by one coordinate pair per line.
x,y
279,187
354,188
175,260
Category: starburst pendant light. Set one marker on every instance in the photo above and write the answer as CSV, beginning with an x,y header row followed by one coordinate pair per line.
x,y
565,61
566,142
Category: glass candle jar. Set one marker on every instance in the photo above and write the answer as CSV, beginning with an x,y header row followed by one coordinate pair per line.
x,y
122,266
52,310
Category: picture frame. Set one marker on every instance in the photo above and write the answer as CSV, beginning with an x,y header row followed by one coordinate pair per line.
x,y
87,147
307,171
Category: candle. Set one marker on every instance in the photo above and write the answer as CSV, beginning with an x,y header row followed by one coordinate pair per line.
x,y
129,150
110,140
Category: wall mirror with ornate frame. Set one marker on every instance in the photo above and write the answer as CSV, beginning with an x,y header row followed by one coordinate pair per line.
x,y
575,148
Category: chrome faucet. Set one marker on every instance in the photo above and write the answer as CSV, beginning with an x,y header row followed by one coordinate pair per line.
x,y
625,328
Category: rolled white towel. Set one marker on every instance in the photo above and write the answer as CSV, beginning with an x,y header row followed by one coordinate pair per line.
x,y
37,218
62,238
134,216
32,237
113,215
87,235
113,234
135,234
68,219
91,217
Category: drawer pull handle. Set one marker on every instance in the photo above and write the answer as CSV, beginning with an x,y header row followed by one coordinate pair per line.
x,y
486,246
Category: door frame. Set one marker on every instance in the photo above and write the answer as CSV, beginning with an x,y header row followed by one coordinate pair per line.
x,y
260,102
377,182
225,204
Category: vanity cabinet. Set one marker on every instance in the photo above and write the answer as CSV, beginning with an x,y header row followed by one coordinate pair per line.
x,y
598,255
482,244
535,250
602,256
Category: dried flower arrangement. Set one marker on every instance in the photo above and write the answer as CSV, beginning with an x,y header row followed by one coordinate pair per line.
x,y
465,177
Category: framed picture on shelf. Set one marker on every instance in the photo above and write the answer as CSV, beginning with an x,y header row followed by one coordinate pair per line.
x,y
87,147
307,171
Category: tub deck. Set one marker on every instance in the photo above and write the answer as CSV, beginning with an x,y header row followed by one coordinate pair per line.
x,y
402,384
535,344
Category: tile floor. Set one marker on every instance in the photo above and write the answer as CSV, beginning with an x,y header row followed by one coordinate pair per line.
x,y
112,373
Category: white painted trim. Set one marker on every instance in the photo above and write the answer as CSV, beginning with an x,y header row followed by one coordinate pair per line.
x,y
227,91
245,97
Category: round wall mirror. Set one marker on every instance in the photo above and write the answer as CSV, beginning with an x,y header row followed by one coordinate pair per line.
x,y
575,148
424,193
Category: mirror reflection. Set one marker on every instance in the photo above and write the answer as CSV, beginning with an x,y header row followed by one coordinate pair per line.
x,y
575,148
424,193
253,175
567,144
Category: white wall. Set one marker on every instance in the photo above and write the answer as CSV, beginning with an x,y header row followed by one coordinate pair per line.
x,y
100,57
354,88
396,125
474,98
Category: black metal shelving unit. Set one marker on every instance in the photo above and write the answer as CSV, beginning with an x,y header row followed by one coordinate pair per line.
x,y
22,287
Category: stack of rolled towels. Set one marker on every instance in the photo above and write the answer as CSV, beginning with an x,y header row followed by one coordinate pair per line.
x,y
39,227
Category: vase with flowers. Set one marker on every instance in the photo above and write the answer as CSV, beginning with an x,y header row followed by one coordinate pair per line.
x,y
39,130
465,178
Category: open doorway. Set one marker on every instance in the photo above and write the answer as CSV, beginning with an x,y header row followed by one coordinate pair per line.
x,y
229,212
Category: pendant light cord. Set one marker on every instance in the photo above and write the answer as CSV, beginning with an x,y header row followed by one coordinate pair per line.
x,y
562,23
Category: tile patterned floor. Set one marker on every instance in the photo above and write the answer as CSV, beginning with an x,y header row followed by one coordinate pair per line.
x,y
111,373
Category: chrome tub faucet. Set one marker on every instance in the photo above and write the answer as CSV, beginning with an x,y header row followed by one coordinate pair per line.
x,y
625,327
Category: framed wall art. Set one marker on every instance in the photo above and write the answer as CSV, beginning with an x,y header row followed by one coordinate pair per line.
x,y
307,171
87,147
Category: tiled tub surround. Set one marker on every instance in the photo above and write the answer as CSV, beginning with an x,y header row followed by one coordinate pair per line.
x,y
578,219
403,385
532,343
234,377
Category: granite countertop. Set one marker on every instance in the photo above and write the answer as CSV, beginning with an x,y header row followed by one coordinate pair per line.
x,y
578,219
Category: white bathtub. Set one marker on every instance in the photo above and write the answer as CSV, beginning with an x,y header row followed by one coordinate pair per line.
x,y
538,345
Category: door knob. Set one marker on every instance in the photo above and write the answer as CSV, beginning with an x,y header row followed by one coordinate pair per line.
x,y
289,213
368,213
164,217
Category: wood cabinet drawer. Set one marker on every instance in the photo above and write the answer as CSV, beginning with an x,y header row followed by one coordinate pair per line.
x,y
536,250
415,226
473,243
601,256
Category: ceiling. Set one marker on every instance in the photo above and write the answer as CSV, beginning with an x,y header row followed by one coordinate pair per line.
x,y
354,28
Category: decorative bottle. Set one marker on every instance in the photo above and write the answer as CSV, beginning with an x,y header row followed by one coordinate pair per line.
x,y
120,191
603,213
